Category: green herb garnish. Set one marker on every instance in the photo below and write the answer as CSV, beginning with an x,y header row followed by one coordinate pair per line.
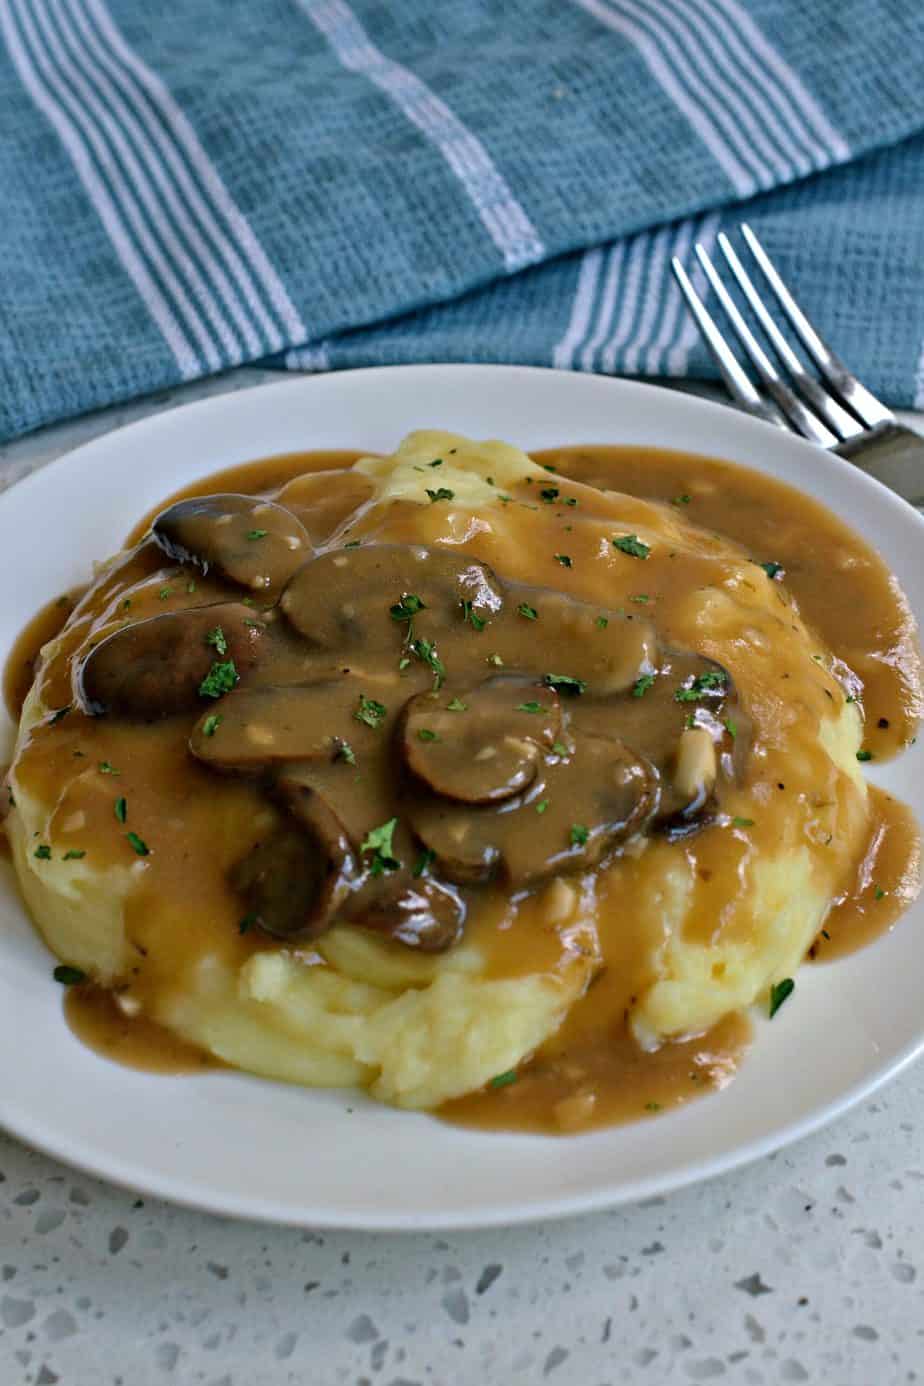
x,y
709,682
216,638
602,622
425,734
378,841
138,844
425,651
407,608
495,659
542,805
441,493
529,707
530,612
121,809
779,992
864,755
257,534
549,494
879,893
74,854
559,748
742,822
471,615
211,724
370,712
564,683
563,559
731,727
423,862
248,922
642,685
106,769
772,570
56,716
503,1080
164,593
579,834
681,500
344,751
43,852
69,976
456,705
632,545
219,680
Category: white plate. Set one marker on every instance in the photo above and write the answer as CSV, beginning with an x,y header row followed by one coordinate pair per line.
x,y
239,1145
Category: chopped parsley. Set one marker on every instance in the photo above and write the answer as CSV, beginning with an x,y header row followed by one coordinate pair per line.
x,y
378,841
423,862
211,724
559,748
529,707
495,659
370,712
652,1106
43,852
138,844
779,992
742,822
542,805
602,622
563,559
710,682
248,922
530,612
425,734
353,544
191,586
681,500
69,976
773,571
471,615
407,608
641,597
564,683
56,716
164,593
106,769
425,651
879,893
456,705
216,638
219,680
256,534
437,462
503,1080
579,834
74,854
549,494
731,727
441,493
642,685
121,809
864,755
345,752
632,545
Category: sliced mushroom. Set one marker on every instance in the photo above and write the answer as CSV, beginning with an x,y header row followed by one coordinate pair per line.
x,y
295,882
604,650
482,744
584,806
344,599
249,541
155,668
424,914
259,728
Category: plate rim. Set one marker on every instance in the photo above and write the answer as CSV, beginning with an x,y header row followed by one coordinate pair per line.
x,y
262,1209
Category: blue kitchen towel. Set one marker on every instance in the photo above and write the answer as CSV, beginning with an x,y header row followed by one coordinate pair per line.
x,y
191,185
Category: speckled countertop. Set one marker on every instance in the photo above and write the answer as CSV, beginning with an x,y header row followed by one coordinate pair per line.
x,y
805,1267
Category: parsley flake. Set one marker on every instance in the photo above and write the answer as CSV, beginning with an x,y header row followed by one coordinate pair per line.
x,y
632,545
106,769
378,841
530,612
437,462
542,805
642,685
864,755
425,651
742,822
43,852
211,724
216,638
425,734
69,976
121,809
456,705
74,854
549,494
253,534
731,727
503,1080
138,845
529,707
559,748
602,622
564,683
879,893
164,593
441,493
681,500
423,862
219,680
471,615
579,834
779,992
56,716
495,659
773,571
345,752
407,608
641,597
370,712
563,559
710,682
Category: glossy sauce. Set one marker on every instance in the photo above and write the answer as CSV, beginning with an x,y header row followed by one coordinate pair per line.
x,y
590,1073
94,1016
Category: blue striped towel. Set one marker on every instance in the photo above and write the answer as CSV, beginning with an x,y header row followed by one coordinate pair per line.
x,y
326,183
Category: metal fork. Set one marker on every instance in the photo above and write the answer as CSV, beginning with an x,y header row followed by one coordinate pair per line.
x,y
845,418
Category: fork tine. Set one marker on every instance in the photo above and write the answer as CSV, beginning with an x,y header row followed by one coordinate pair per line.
x,y
833,414
801,418
864,404
736,381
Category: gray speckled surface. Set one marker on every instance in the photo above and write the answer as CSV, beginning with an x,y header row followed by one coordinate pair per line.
x,y
806,1267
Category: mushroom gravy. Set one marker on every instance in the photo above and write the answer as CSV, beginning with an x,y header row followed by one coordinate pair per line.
x,y
336,717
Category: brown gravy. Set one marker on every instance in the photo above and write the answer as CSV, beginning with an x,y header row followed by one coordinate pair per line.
x,y
22,661
591,1073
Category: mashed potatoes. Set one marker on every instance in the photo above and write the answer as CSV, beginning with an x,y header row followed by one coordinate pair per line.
x,y
674,931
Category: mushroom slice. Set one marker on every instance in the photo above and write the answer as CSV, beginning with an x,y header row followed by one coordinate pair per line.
x,y
422,914
155,668
256,728
582,807
482,745
604,650
296,881
247,540
358,598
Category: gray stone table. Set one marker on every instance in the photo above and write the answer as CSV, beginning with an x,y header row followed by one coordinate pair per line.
x,y
805,1267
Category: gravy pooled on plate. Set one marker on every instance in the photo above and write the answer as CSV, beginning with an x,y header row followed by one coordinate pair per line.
x,y
494,785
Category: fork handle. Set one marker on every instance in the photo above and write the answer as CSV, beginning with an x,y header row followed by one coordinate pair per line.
x,y
891,454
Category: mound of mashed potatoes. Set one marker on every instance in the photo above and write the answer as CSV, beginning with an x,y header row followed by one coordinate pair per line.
x,y
128,844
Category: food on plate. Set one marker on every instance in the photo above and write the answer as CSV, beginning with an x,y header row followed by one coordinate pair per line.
x,y
499,786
